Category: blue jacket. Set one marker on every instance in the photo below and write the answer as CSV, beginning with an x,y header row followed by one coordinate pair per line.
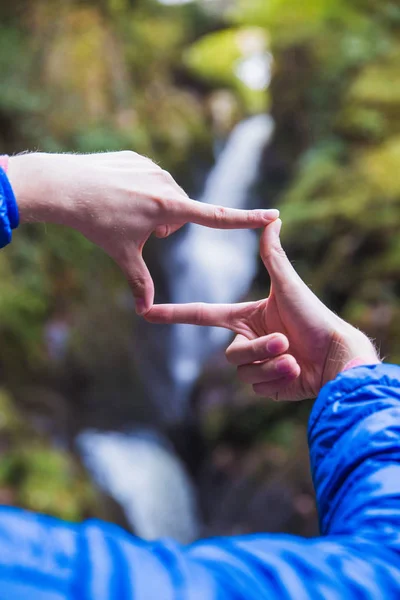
x,y
354,438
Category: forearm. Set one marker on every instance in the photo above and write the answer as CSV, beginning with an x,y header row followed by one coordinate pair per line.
x,y
355,440
349,347
44,188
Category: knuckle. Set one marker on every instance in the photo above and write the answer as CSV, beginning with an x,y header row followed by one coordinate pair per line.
x,y
161,205
168,204
220,214
166,207
168,194
275,250
275,253
252,216
198,317
138,283
279,251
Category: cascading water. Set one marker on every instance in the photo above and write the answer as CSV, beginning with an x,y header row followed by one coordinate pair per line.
x,y
139,469
141,472
206,265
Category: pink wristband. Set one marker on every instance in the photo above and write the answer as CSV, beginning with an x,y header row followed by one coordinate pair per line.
x,y
355,362
4,162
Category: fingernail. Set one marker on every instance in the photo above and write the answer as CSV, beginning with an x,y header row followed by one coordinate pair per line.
x,y
274,346
140,306
271,214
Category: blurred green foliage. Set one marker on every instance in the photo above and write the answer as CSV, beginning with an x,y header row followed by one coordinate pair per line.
x,y
343,182
113,74
34,474
215,57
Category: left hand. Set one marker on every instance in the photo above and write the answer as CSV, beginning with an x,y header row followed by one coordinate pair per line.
x,y
117,200
287,345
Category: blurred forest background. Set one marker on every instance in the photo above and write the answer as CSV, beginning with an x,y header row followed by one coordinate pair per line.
x,y
169,80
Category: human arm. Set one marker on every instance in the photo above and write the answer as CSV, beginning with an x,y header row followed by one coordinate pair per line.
x,y
117,200
354,438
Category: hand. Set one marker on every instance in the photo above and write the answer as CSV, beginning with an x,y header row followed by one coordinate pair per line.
x,y
117,200
288,345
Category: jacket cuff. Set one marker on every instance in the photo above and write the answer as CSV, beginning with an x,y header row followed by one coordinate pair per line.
x,y
349,380
345,427
9,214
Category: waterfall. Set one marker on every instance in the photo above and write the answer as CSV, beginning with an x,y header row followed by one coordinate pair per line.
x,y
206,265
139,469
141,472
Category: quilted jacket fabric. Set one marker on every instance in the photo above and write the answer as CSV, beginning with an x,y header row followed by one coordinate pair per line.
x,y
354,439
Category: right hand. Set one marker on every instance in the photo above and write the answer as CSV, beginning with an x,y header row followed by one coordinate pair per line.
x,y
287,345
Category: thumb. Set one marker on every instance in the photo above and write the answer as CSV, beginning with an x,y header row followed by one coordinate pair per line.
x,y
141,283
274,257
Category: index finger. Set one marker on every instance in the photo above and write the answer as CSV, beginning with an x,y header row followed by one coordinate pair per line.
x,y
221,217
198,313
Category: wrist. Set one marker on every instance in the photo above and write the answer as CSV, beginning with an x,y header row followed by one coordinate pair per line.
x,y
349,347
355,362
38,190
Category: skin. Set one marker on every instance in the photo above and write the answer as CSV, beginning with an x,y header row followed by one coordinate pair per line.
x,y
288,345
117,200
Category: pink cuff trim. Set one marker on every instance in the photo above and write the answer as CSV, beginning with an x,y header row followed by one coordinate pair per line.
x,y
355,362
4,162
